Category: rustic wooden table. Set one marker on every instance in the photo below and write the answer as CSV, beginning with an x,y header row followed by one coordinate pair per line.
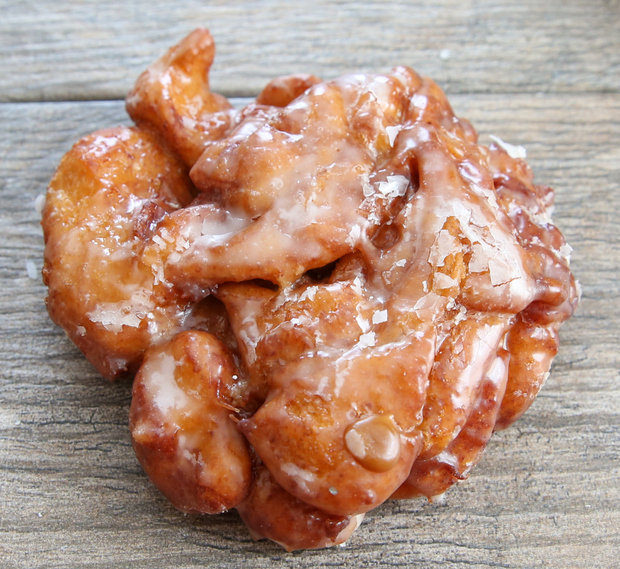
x,y
542,74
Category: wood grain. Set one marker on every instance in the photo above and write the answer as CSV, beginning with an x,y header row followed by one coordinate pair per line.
x,y
546,489
545,75
86,49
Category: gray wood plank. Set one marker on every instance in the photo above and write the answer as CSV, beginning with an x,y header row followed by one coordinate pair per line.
x,y
86,49
545,494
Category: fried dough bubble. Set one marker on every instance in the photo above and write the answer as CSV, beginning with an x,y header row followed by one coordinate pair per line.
x,y
331,297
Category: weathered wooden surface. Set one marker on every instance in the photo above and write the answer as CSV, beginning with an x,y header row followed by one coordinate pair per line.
x,y
546,494
87,49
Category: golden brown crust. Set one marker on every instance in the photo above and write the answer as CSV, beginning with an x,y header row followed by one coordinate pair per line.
x,y
181,427
432,476
172,98
271,512
284,90
389,291
102,208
